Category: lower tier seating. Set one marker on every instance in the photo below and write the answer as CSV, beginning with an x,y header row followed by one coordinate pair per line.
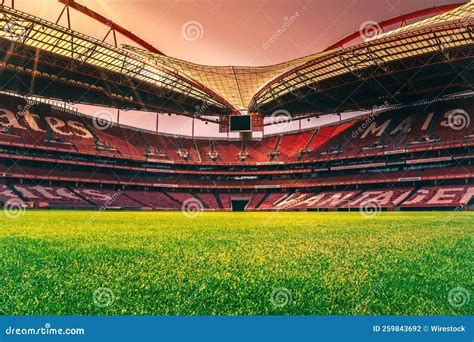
x,y
52,196
390,198
153,199
440,196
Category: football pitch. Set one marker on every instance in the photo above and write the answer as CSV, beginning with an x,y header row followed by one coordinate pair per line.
x,y
164,263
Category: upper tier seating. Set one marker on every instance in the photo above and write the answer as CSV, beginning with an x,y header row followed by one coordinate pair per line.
x,y
435,124
421,126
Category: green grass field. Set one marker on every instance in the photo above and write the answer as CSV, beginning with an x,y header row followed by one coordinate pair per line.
x,y
53,262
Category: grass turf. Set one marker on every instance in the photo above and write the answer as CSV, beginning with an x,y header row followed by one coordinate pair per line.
x,y
397,263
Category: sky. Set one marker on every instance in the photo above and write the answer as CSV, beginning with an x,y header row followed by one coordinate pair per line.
x,y
228,32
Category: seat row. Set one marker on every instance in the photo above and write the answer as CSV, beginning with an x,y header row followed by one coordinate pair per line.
x,y
53,196
42,126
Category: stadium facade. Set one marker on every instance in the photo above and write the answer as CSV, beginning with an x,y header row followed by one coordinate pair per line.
x,y
412,149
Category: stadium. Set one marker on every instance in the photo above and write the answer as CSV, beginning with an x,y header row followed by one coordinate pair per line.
x,y
399,95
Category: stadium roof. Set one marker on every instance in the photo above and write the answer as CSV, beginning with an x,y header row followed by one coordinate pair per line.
x,y
450,31
152,81
237,84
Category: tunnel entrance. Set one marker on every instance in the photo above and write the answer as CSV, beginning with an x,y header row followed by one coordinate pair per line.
x,y
239,204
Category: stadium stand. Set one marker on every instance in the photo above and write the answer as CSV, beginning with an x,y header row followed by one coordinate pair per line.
x,y
383,198
272,200
406,145
440,196
6,193
52,196
256,199
209,200
153,199
107,198
43,126
323,200
389,158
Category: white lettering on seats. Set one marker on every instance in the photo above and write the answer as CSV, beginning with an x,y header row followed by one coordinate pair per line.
x,y
4,191
31,120
295,198
380,197
467,196
25,192
427,122
443,196
373,129
336,199
401,197
79,129
96,195
66,193
404,126
56,124
45,192
11,119
419,196
365,198
310,202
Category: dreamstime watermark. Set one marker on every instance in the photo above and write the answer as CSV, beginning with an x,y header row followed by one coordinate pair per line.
x,y
14,208
458,297
393,4
108,203
370,209
103,297
287,22
192,30
201,109
22,109
102,119
46,330
361,128
458,119
192,207
281,297
384,105
281,119
370,119
369,29
451,215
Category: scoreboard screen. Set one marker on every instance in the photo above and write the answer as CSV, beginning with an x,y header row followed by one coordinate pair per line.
x,y
240,123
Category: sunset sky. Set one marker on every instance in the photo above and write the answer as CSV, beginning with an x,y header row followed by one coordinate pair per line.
x,y
230,32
